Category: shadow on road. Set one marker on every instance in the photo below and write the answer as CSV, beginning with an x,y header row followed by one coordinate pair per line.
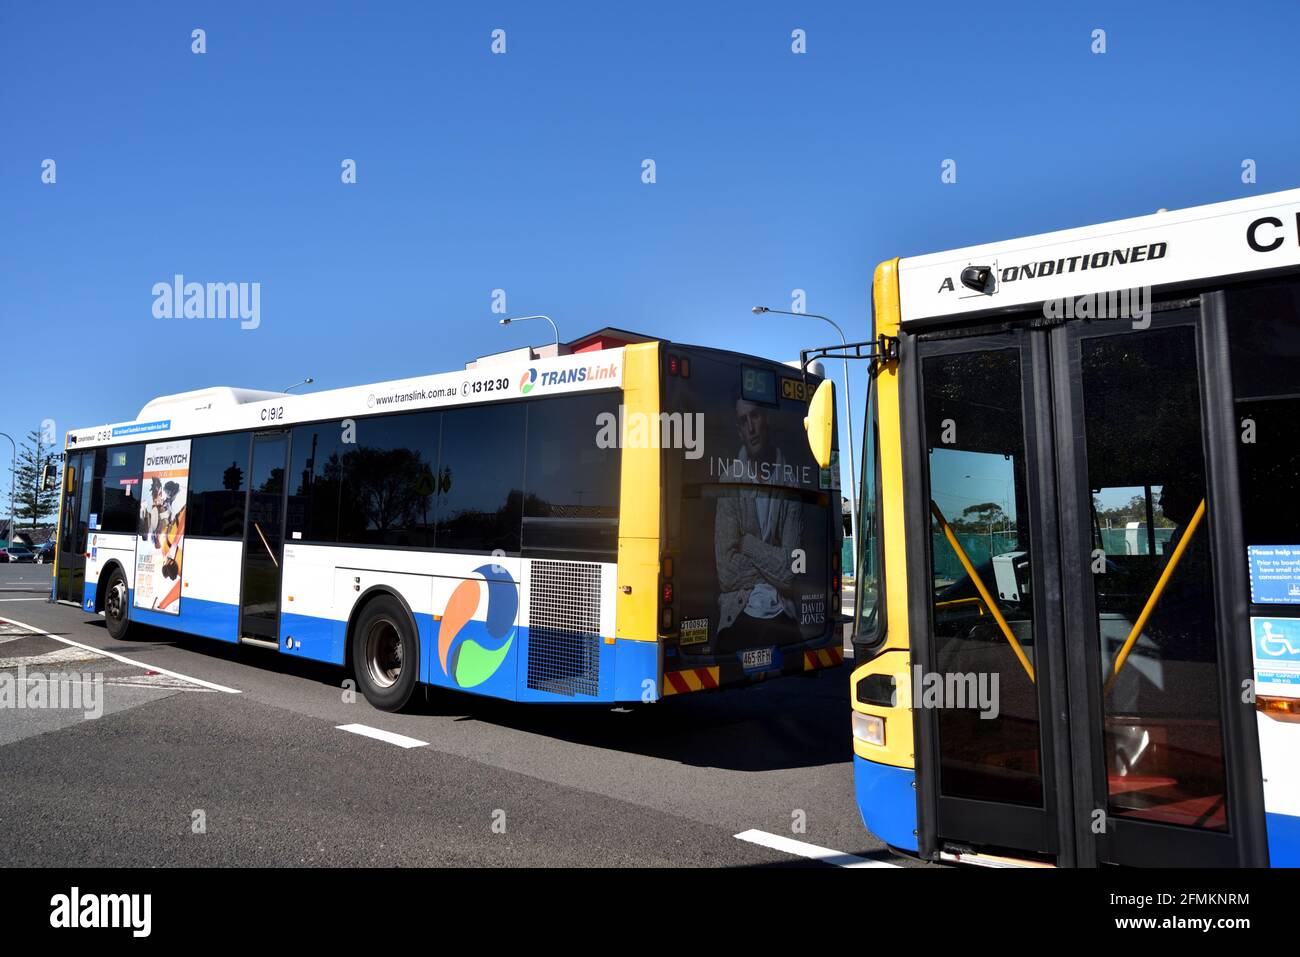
x,y
791,722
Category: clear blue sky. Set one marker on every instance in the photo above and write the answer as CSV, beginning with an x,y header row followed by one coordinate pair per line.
x,y
522,171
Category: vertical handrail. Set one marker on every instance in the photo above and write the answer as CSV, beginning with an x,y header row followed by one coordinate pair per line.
x,y
984,592
1154,597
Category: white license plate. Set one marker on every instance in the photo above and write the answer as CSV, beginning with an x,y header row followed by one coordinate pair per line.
x,y
754,659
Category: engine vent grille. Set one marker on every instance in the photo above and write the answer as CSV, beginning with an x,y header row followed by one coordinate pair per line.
x,y
564,628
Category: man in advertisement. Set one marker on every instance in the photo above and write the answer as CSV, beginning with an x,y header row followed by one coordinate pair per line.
x,y
755,537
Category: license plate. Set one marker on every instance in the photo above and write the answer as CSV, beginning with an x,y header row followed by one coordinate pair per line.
x,y
756,659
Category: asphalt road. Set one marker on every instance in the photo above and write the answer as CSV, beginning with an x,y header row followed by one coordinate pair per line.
x,y
208,754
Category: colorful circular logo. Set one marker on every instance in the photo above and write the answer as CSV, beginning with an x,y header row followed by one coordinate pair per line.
x,y
470,651
526,383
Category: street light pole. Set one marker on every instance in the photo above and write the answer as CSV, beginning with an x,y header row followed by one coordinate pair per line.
x,y
506,322
13,484
848,414
307,381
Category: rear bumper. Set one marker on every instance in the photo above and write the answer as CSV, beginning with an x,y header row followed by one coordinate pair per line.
x,y
687,673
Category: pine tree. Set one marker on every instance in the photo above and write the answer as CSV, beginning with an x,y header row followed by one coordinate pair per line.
x,y
30,501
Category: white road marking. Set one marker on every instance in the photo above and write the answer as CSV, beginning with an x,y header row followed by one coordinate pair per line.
x,y
24,599
62,656
379,734
127,661
824,854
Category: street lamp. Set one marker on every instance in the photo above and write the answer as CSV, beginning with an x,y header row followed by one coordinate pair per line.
x,y
13,484
506,322
848,412
307,381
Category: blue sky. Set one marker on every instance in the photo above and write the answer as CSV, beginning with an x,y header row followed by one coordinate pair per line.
x,y
522,171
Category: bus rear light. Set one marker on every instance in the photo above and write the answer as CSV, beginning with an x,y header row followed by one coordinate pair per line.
x,y
869,728
673,365
667,619
835,584
686,368
835,562
668,593
667,568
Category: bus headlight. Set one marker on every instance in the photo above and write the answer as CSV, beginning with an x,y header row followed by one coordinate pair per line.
x,y
869,728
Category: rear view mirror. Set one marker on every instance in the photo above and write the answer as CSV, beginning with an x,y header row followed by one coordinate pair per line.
x,y
820,423
49,477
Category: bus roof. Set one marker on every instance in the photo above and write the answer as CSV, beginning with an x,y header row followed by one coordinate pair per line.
x,y
226,409
1162,249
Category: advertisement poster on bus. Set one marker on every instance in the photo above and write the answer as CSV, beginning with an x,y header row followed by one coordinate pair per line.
x,y
756,510
162,526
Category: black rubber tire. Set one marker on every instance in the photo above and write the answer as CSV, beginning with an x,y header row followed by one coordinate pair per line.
x,y
117,605
382,623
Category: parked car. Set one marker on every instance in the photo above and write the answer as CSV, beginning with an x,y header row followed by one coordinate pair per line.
x,y
44,552
17,552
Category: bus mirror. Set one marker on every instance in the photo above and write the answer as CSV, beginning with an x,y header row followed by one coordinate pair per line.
x,y
49,477
820,423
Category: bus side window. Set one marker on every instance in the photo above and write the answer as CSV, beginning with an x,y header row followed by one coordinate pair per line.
x,y
1264,342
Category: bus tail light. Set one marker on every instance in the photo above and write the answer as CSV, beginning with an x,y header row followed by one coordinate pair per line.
x,y
666,594
869,728
674,365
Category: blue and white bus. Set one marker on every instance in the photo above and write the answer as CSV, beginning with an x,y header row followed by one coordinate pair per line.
x,y
615,524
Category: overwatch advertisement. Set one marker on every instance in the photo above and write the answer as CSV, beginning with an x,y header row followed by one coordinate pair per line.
x,y
162,526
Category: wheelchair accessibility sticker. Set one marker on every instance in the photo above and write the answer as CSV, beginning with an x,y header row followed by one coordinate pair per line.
x,y
1276,643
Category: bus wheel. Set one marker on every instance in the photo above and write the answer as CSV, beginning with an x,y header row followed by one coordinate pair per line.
x,y
116,605
385,654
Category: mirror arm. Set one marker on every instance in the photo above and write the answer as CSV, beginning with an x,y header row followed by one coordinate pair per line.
x,y
879,350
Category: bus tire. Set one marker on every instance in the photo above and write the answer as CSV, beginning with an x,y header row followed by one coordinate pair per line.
x,y
385,654
117,605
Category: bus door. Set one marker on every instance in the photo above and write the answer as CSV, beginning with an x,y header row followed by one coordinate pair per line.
x,y
259,618
74,524
987,663
1165,742
1076,693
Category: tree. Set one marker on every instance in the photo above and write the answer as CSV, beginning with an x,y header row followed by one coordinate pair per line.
x,y
30,501
984,517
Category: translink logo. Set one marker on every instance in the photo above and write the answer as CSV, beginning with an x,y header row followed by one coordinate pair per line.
x,y
592,373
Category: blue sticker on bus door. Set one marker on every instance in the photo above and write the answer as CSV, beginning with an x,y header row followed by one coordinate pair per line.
x,y
1274,574
1276,644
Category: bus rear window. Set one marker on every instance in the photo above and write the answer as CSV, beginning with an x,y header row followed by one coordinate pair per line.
x,y
755,522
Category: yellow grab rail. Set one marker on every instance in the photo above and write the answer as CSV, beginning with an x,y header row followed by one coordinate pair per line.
x,y
984,592
1154,597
